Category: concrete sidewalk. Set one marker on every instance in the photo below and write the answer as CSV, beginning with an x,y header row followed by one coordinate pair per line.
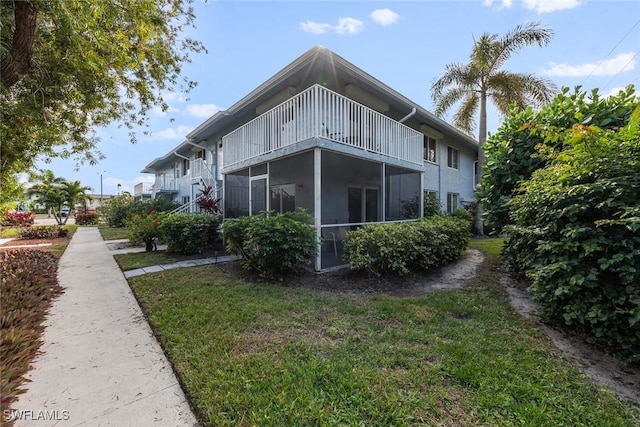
x,y
100,363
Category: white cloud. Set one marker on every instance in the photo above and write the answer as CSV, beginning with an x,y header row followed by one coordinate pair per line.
x,y
503,3
169,96
613,92
349,26
344,26
609,67
539,6
384,17
547,6
202,110
171,134
125,184
314,27
157,111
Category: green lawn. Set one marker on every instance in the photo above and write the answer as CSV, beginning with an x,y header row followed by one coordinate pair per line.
x,y
252,353
134,260
9,232
490,246
113,233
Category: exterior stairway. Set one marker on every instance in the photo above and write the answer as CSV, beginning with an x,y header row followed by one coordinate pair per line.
x,y
192,206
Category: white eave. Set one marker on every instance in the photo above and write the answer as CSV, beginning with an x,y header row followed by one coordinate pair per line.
x,y
223,117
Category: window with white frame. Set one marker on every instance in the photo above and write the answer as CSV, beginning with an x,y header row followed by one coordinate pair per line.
x,y
453,158
430,145
452,201
185,167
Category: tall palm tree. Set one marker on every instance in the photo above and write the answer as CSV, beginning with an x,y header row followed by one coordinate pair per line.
x,y
45,186
471,84
75,193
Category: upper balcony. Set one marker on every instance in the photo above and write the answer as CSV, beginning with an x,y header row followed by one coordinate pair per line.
x,y
143,189
166,184
321,113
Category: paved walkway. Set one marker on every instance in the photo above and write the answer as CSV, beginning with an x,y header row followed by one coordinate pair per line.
x,y
180,264
100,363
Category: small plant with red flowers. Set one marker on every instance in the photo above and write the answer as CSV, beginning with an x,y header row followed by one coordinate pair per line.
x,y
145,229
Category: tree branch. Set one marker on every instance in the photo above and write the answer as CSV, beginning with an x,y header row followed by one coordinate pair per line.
x,y
18,61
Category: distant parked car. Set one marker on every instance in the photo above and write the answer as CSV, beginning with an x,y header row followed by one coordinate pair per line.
x,y
65,211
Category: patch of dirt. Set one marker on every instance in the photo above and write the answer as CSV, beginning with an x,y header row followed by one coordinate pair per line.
x,y
452,276
606,371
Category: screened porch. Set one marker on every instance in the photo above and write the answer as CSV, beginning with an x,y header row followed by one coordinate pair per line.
x,y
341,191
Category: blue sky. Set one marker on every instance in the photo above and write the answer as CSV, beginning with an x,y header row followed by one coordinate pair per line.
x,y
405,44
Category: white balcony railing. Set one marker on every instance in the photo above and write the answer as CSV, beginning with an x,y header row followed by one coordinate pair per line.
x,y
165,183
142,188
318,112
201,170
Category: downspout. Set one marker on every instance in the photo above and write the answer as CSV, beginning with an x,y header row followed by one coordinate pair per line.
x,y
198,145
405,118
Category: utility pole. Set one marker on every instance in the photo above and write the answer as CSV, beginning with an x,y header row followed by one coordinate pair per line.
x,y
101,193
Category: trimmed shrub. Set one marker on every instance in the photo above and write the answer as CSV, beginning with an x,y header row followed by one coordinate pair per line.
x,y
114,210
400,248
432,205
145,207
28,284
120,209
272,243
577,236
17,219
144,229
87,219
43,232
190,233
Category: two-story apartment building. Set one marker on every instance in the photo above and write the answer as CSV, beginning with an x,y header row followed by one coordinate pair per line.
x,y
323,135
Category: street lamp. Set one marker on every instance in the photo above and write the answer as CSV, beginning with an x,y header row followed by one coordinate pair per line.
x,y
119,186
101,193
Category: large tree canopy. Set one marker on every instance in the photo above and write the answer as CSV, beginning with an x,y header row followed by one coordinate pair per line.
x,y
470,85
68,66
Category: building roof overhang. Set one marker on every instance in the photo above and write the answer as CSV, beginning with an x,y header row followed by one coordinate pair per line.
x,y
318,65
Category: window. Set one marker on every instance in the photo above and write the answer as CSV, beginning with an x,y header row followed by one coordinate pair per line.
x,y
452,202
185,199
185,167
453,157
429,149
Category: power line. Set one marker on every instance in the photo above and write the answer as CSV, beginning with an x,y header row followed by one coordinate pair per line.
x,y
621,70
612,50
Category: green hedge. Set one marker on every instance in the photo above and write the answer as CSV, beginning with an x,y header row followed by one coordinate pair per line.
x,y
119,209
272,243
577,236
400,248
87,219
189,233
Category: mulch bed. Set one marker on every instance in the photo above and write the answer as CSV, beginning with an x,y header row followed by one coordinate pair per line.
x,y
32,242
